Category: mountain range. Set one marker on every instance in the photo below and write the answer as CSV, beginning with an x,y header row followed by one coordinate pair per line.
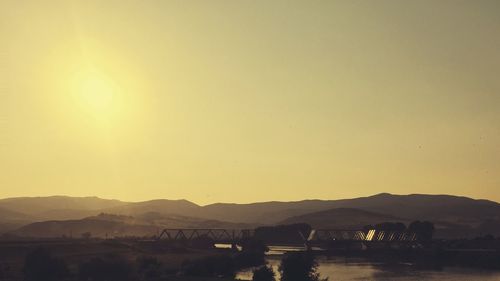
x,y
53,216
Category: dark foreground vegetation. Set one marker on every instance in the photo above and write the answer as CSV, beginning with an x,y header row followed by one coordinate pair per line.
x,y
133,259
425,252
290,233
106,260
481,253
126,261
122,260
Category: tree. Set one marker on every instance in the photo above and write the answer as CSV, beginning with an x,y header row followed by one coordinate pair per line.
x,y
211,266
149,268
4,271
40,265
263,273
368,227
424,230
98,269
252,253
300,266
202,242
391,226
252,245
291,233
86,235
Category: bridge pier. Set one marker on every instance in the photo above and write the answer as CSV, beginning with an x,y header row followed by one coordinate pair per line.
x,y
308,246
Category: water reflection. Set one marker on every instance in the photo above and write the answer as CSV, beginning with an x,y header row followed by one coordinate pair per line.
x,y
339,268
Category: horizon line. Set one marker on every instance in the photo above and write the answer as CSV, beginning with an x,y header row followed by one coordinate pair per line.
x,y
254,202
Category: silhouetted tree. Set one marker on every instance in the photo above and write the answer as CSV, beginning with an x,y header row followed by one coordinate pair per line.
x,y
424,230
487,237
148,268
214,266
86,235
252,253
368,227
283,233
98,269
299,266
40,265
491,227
253,245
202,242
4,271
390,226
263,273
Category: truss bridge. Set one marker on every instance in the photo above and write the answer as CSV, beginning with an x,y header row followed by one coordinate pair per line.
x,y
371,235
218,235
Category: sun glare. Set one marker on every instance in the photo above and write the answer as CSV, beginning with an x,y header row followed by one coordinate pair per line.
x,y
95,92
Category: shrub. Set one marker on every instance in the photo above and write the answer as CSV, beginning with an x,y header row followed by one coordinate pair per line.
x,y
292,233
252,253
149,268
424,230
248,259
263,273
214,266
299,267
40,265
4,271
202,242
98,269
254,246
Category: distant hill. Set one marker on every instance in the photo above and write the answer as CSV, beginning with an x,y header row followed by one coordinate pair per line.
x,y
452,214
446,208
10,220
75,228
265,212
176,221
11,215
162,206
342,218
108,225
46,207
66,214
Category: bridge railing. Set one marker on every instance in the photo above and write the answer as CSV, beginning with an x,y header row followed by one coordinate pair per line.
x,y
360,235
218,235
319,235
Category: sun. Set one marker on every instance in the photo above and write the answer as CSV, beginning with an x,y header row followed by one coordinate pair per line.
x,y
95,92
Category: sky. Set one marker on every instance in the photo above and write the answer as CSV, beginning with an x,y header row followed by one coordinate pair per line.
x,y
244,101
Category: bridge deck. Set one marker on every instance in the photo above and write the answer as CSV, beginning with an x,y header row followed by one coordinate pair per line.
x,y
216,234
316,235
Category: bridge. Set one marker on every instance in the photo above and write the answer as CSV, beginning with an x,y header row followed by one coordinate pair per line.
x,y
347,240
315,237
218,235
371,235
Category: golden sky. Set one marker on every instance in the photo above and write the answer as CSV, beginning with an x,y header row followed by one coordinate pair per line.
x,y
240,101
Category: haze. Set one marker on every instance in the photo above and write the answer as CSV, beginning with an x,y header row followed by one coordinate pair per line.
x,y
241,101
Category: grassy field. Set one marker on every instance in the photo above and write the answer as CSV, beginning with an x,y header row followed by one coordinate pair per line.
x,y
76,252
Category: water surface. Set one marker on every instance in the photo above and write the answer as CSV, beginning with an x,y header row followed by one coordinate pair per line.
x,y
342,269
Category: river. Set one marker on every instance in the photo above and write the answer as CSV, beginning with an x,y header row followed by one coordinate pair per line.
x,y
343,269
